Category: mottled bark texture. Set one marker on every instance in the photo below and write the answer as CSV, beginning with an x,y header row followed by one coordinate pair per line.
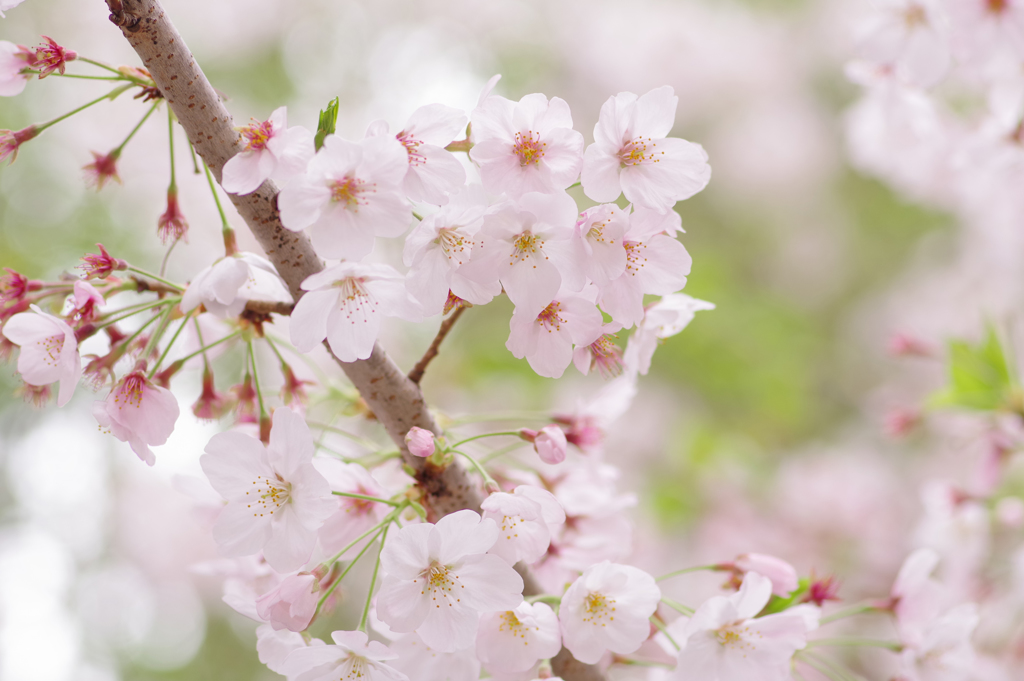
x,y
395,400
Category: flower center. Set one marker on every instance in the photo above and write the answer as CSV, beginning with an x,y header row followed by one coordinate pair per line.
x,y
257,135
356,301
915,15
529,148
441,582
551,318
637,151
636,257
452,244
353,667
512,624
509,525
731,637
597,608
52,346
606,356
350,191
526,244
131,392
997,6
268,494
412,146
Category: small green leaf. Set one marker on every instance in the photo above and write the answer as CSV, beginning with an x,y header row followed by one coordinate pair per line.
x,y
328,121
979,376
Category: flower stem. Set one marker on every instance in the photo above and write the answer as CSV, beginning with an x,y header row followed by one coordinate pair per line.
x,y
120,147
366,498
849,612
678,607
170,144
167,256
225,227
488,480
204,348
256,382
511,433
858,642
355,560
661,627
344,433
170,344
134,310
154,340
544,598
100,64
155,277
373,581
686,570
58,119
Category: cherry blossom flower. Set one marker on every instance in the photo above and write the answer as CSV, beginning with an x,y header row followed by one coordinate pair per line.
x,y
632,155
782,575
525,146
988,34
12,62
525,520
550,443
664,319
227,285
292,603
350,192
102,169
724,642
344,304
48,57
8,4
172,225
942,649
14,285
655,265
438,580
274,646
11,141
433,172
353,656
513,640
602,354
420,661
546,340
139,413
597,252
211,405
276,498
272,151
420,442
523,245
49,351
350,517
85,298
607,608
102,265
910,36
438,247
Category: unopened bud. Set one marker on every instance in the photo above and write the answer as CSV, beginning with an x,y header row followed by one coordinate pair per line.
x,y
420,442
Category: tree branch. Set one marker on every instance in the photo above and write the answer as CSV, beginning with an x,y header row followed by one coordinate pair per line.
x,y
395,400
416,375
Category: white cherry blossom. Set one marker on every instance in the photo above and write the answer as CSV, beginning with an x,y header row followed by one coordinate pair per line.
x,y
632,154
514,640
276,498
546,340
664,319
8,4
49,351
274,646
272,151
597,252
350,192
433,172
725,641
353,657
608,609
525,520
12,61
292,603
909,36
525,146
345,304
439,579
227,285
139,413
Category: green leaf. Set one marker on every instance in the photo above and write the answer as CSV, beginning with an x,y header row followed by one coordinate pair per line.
x,y
979,376
328,121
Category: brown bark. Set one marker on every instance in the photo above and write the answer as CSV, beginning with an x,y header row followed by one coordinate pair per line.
x,y
395,400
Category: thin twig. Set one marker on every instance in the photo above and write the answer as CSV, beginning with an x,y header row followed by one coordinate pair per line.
x,y
416,375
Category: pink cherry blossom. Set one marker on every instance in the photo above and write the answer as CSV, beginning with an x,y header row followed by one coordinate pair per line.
x,y
910,36
664,319
439,579
546,340
420,442
12,62
782,575
350,192
514,640
424,663
525,146
724,642
11,141
353,656
272,151
139,413
227,285
602,354
101,265
524,245
274,646
48,57
942,649
49,351
438,247
632,155
608,609
276,498
597,252
655,265
292,603
345,304
433,172
85,299
351,517
525,520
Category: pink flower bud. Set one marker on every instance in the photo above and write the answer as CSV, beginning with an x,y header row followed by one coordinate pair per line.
x,y
550,443
11,141
292,604
420,442
102,265
821,590
903,345
782,575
